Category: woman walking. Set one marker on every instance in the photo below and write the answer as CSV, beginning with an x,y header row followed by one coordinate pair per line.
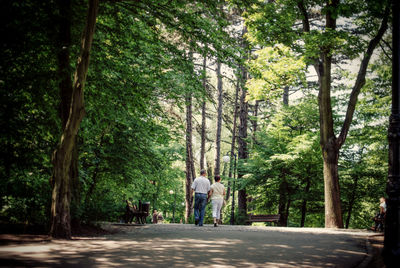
x,y
217,194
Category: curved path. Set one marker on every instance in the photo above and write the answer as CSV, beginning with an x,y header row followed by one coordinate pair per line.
x,y
178,245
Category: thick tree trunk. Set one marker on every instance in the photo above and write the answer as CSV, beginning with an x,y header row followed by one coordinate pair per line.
x,y
333,209
217,166
329,143
62,156
66,89
189,159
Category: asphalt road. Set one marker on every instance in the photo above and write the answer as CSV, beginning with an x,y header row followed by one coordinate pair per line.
x,y
178,245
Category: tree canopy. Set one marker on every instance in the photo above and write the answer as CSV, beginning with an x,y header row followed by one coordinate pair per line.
x,y
152,60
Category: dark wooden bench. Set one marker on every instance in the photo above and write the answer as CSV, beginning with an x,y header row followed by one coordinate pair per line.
x,y
141,213
264,218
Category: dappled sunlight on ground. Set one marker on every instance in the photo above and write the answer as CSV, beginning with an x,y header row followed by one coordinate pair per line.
x,y
190,246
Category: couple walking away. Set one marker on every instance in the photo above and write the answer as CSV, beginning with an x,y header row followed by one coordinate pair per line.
x,y
202,192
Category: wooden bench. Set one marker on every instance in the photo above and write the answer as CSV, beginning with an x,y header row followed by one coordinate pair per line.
x,y
140,213
264,218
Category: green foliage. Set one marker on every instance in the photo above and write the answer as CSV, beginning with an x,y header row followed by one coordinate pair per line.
x,y
287,149
131,146
273,69
28,110
275,22
128,144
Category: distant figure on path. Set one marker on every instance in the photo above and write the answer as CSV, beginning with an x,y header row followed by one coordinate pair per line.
x,y
155,216
217,194
380,217
200,189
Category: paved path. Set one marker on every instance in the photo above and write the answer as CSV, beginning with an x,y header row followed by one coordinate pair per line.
x,y
177,245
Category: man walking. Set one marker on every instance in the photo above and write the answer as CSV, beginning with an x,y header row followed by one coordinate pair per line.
x,y
200,189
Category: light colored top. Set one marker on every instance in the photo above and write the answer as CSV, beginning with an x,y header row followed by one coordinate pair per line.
x,y
201,185
218,191
383,205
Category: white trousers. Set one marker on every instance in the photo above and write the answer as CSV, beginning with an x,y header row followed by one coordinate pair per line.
x,y
216,207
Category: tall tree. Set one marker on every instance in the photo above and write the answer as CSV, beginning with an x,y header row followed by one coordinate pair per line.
x,y
62,156
242,140
326,42
219,120
65,85
203,116
284,188
189,158
28,108
234,134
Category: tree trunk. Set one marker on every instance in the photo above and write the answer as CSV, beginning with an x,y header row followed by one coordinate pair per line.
x,y
351,202
329,144
242,145
219,123
333,210
189,173
255,121
304,203
285,98
62,156
330,149
242,139
66,89
234,130
203,117
283,201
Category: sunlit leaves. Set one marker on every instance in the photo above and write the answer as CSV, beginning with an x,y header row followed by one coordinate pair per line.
x,y
274,68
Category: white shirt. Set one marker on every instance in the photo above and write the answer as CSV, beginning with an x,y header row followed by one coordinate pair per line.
x,y
218,191
201,185
383,205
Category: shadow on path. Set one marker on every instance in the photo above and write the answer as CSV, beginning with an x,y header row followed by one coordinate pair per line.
x,y
190,246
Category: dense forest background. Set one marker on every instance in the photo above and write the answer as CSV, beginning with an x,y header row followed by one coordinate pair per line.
x,y
173,86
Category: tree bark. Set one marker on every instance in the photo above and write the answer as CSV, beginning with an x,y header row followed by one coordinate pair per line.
x,y
234,131
329,143
352,201
62,156
242,144
242,139
189,173
283,201
203,117
217,166
65,85
304,203
255,121
330,148
284,196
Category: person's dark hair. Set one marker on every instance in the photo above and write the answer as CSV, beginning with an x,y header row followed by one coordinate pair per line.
x,y
217,178
203,172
